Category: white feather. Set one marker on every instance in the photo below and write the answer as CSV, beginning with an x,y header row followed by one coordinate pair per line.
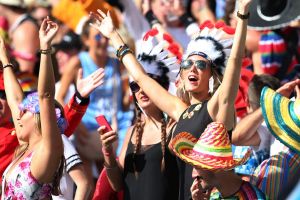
x,y
226,43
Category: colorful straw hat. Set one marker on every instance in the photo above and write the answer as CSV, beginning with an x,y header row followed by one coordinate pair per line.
x,y
212,151
282,117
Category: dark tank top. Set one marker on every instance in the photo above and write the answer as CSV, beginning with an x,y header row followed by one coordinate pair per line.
x,y
149,182
193,120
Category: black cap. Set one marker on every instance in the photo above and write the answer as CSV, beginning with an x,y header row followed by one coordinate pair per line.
x,y
69,41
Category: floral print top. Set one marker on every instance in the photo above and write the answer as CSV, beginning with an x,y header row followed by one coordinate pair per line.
x,y
21,185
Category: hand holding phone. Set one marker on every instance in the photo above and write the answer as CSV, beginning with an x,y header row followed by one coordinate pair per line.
x,y
101,120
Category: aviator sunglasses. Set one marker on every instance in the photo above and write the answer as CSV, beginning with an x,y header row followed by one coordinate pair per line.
x,y
200,64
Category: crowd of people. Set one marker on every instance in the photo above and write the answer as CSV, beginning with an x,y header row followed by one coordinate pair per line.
x,y
201,98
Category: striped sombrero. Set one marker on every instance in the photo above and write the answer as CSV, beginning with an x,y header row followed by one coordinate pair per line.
x,y
211,151
282,117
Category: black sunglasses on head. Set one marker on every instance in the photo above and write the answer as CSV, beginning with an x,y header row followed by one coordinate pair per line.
x,y
134,87
200,64
2,95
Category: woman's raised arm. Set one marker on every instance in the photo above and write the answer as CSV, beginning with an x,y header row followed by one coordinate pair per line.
x,y
221,105
48,154
13,90
166,102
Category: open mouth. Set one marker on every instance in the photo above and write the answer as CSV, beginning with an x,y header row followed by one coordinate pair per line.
x,y
193,78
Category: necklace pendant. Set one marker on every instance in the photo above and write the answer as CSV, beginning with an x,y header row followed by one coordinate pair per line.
x,y
191,114
185,115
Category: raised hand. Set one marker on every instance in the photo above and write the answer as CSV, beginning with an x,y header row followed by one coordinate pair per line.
x,y
103,23
87,85
47,32
287,89
244,5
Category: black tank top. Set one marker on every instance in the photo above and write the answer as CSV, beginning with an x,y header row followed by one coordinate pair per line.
x,y
193,120
151,183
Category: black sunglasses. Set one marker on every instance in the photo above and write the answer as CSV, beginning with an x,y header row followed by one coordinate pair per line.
x,y
134,87
200,64
2,95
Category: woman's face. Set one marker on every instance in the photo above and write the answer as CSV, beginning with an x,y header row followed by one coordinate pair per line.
x,y
142,99
26,125
195,74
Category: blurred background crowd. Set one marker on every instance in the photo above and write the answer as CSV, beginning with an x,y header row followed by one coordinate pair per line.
x,y
272,58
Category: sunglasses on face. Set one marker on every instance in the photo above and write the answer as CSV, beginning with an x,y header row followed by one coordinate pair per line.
x,y
98,37
134,87
200,64
2,95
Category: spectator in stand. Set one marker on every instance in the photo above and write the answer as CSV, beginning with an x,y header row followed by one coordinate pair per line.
x,y
107,99
206,97
145,168
259,138
37,166
212,161
23,31
278,43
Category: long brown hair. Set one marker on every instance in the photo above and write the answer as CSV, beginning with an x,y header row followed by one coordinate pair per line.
x,y
139,129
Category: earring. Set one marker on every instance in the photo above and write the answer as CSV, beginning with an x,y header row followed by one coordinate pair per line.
x,y
211,85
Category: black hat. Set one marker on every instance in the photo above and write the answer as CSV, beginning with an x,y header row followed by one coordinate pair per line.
x,y
69,41
273,14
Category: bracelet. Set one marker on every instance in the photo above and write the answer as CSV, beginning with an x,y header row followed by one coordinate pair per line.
x,y
121,48
151,18
105,152
46,51
8,65
241,16
124,52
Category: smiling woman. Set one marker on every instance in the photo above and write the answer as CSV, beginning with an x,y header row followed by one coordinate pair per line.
x,y
37,166
213,44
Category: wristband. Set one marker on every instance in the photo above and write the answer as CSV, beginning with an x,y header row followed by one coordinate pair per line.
x,y
79,99
151,18
8,65
241,16
47,51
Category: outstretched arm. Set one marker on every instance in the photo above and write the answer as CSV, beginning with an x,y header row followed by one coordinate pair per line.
x,y
13,90
221,105
47,156
245,133
168,103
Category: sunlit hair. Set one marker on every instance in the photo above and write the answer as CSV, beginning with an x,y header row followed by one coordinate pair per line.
x,y
21,149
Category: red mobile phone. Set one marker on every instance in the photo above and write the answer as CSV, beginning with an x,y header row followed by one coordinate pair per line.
x,y
103,122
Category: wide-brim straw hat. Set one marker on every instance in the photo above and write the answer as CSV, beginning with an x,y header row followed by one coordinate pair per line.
x,y
212,151
282,117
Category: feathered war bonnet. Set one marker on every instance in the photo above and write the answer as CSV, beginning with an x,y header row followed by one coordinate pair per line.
x,y
160,59
213,42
